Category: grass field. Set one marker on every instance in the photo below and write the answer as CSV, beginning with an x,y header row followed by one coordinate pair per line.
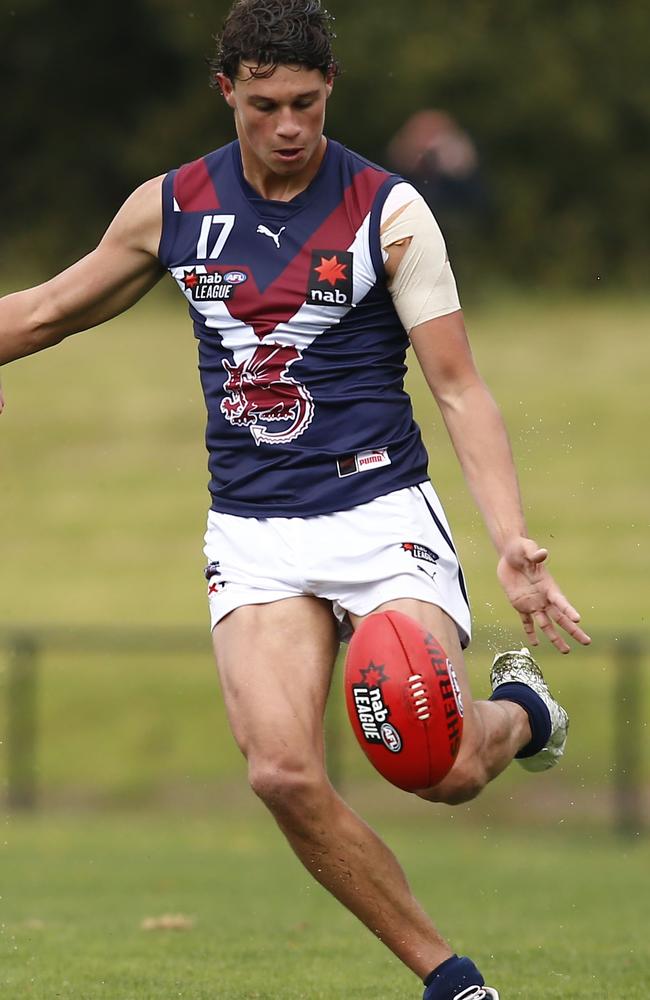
x,y
103,465
547,916
102,511
118,727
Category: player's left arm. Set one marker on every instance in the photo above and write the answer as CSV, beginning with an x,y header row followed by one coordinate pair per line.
x,y
437,331
119,271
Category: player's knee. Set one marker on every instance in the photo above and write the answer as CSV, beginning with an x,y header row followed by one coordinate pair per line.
x,y
286,787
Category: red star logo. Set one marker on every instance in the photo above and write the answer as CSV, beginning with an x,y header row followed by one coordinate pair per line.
x,y
331,270
408,546
374,675
190,280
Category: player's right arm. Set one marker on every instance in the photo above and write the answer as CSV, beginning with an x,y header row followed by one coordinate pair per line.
x,y
122,268
424,294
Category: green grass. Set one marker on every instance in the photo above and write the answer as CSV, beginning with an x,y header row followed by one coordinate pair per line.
x,y
102,512
103,505
571,378
546,916
118,727
117,724
103,465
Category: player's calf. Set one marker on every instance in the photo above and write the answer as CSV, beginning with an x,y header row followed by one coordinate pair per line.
x,y
466,780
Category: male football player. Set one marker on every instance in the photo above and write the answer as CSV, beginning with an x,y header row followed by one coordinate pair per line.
x,y
307,271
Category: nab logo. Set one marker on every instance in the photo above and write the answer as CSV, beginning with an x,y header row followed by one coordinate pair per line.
x,y
330,278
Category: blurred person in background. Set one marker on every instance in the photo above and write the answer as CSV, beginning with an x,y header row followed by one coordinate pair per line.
x,y
441,160
308,271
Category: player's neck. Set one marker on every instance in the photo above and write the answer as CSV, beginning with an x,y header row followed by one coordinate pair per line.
x,y
280,187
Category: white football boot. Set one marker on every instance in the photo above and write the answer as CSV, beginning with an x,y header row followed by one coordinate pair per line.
x,y
517,666
477,993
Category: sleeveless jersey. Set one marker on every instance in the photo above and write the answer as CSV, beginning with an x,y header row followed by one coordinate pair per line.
x,y
301,352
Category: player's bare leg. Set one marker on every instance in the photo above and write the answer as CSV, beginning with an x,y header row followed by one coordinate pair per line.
x,y
493,732
275,662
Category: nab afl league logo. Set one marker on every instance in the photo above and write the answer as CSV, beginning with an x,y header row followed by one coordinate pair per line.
x,y
330,278
213,285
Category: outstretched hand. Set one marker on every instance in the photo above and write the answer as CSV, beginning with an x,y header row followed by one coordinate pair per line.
x,y
533,592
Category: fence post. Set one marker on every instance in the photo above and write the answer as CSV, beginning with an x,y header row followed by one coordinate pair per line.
x,y
628,729
21,722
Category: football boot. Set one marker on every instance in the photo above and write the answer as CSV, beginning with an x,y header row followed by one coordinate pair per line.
x,y
518,667
478,993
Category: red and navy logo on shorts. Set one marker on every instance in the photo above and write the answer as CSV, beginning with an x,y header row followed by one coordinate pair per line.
x,y
419,551
211,572
330,278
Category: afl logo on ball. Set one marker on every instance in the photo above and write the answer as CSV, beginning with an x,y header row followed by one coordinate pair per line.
x,y
391,738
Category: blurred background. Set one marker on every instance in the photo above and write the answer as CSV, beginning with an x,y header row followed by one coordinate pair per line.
x,y
554,101
527,128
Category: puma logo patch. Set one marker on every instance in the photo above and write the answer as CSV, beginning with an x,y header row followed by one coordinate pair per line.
x,y
265,231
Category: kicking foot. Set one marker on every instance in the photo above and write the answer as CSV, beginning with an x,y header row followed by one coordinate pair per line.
x,y
518,667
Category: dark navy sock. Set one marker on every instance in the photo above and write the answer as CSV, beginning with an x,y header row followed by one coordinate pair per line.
x,y
450,978
538,714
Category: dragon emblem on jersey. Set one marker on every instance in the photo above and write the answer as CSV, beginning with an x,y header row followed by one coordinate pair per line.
x,y
259,390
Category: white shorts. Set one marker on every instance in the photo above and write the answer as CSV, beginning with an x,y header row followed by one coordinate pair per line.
x,y
398,545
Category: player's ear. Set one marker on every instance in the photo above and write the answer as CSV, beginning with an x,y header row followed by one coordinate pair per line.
x,y
227,89
329,82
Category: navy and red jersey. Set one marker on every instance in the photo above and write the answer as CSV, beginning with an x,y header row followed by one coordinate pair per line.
x,y
301,352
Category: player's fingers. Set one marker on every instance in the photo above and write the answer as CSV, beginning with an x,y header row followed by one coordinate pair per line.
x,y
557,599
572,628
526,555
567,617
548,628
529,629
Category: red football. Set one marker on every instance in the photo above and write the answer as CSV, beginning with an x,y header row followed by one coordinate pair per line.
x,y
403,700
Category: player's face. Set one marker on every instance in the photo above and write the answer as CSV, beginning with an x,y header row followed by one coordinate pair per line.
x,y
279,118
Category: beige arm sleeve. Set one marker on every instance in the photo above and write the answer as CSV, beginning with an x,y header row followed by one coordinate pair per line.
x,y
423,287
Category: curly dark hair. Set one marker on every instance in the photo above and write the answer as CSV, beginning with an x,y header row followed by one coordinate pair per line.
x,y
270,33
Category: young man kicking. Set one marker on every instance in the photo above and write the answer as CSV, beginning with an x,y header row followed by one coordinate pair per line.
x,y
308,271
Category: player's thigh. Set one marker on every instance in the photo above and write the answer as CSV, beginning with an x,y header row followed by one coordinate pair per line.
x,y
433,618
275,665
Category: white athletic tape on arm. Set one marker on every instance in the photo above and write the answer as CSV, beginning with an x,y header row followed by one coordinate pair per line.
x,y
398,196
423,287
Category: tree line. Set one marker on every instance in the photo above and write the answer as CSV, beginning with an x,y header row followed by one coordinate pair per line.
x,y
554,97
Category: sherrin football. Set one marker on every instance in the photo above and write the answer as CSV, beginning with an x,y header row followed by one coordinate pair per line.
x,y
403,700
